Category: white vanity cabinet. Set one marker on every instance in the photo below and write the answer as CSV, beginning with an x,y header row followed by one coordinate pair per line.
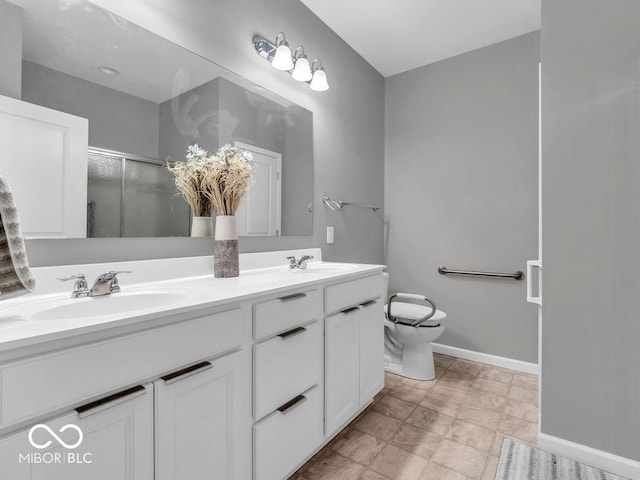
x,y
197,415
371,349
284,439
246,389
190,423
287,381
342,360
117,443
354,348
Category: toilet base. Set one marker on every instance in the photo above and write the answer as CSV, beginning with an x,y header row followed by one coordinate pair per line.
x,y
417,362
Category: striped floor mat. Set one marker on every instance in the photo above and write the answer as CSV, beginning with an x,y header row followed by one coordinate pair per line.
x,y
523,462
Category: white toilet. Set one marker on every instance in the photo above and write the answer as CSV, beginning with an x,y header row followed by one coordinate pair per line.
x,y
407,348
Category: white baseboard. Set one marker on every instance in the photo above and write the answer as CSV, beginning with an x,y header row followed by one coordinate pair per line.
x,y
494,360
609,462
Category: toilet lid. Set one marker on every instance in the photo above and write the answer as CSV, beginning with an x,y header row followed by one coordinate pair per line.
x,y
407,313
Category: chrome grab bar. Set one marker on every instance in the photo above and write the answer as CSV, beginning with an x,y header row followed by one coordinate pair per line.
x,y
515,275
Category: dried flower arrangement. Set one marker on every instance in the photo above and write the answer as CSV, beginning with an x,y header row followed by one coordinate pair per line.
x,y
191,180
228,179
218,181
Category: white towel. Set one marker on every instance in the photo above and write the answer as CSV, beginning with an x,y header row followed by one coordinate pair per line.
x,y
15,276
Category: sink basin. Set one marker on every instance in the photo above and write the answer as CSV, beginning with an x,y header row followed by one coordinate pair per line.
x,y
328,268
105,305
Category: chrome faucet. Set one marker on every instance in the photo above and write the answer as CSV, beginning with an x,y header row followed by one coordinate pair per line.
x,y
299,264
80,288
105,284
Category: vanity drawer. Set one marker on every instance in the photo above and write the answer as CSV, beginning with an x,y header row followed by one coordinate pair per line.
x,y
285,366
43,384
285,438
285,312
349,294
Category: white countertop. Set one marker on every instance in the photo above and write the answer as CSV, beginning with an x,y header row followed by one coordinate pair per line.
x,y
186,294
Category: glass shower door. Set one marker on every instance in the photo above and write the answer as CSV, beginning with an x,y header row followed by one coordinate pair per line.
x,y
130,196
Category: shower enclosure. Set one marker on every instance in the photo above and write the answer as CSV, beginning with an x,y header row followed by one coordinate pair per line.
x,y
133,196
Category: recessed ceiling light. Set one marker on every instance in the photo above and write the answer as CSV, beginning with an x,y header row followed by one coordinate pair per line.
x,y
108,70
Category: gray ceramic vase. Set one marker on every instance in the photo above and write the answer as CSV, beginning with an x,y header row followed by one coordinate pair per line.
x,y
226,261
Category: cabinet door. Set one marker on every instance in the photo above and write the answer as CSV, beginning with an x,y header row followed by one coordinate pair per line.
x,y
342,394
198,418
371,350
45,151
117,443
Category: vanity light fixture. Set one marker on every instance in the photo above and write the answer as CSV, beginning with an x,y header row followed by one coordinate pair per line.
x,y
282,58
108,70
279,54
302,70
319,80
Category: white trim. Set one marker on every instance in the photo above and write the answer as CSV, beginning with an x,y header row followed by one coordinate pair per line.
x,y
277,208
590,456
494,360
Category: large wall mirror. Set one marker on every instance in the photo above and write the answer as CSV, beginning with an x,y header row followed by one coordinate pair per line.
x,y
146,99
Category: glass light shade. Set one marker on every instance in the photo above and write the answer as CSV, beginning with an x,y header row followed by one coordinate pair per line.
x,y
282,59
319,81
302,70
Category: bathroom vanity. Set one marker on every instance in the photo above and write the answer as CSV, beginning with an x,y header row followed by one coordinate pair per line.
x,y
187,377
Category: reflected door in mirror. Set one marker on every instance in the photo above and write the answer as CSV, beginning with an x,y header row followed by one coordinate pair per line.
x,y
259,211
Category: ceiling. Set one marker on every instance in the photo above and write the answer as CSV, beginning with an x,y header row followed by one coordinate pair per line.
x,y
399,35
76,37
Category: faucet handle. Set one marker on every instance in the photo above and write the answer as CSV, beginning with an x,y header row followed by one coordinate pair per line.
x,y
302,263
293,263
113,275
80,289
80,277
80,285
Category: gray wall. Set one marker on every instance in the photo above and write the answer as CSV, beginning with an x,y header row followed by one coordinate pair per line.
x,y
286,130
297,169
591,224
461,170
117,121
173,141
245,116
348,124
10,49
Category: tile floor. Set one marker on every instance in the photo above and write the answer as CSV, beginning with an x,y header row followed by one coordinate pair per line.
x,y
448,428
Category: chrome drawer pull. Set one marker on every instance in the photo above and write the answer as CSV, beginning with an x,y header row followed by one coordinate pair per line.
x,y
292,297
350,310
186,372
291,333
110,401
291,404
368,304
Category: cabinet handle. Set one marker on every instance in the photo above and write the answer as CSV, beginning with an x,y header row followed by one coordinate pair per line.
x,y
291,333
350,310
110,401
292,297
186,372
291,404
368,304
